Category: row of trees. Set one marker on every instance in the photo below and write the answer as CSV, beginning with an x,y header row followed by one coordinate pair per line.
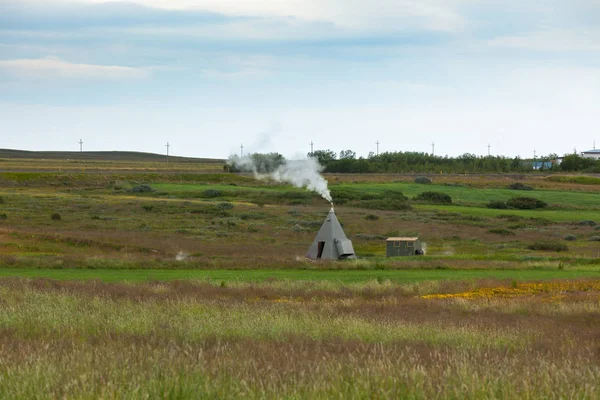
x,y
413,162
407,162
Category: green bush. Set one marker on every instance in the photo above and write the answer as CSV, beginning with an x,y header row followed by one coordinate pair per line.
x,y
369,237
594,239
423,180
434,197
55,217
587,222
519,186
253,216
3,216
389,205
510,217
142,189
148,207
371,217
497,204
570,238
1,200
121,185
502,232
225,206
526,203
210,193
548,245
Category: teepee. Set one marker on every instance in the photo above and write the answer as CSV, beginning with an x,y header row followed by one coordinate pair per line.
x,y
331,242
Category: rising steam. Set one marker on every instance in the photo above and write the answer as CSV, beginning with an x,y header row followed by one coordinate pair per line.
x,y
300,173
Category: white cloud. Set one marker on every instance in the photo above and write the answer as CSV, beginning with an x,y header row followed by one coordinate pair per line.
x,y
553,40
439,15
57,68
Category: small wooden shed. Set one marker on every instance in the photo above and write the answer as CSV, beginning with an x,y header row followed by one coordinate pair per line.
x,y
403,246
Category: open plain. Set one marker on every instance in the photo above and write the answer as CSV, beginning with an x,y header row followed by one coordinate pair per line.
x,y
138,279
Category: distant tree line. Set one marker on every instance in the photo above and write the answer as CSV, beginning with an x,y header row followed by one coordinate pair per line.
x,y
415,162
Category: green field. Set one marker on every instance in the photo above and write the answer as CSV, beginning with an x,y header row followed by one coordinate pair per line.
x,y
334,276
199,288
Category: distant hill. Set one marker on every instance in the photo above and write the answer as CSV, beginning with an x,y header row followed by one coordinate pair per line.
x,y
101,156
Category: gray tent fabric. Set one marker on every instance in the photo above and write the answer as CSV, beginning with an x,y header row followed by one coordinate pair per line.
x,y
331,242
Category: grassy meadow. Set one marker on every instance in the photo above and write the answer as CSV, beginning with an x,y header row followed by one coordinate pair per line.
x,y
128,279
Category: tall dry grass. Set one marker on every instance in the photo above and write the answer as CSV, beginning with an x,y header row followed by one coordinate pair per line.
x,y
195,340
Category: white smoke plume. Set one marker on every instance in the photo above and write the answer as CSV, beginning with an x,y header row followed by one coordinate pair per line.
x,y
300,173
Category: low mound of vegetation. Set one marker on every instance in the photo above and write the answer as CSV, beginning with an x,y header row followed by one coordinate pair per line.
x,y
526,203
423,180
434,197
548,245
519,186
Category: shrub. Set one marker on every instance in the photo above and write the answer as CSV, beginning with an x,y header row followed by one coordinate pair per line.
x,y
510,217
298,228
570,238
148,207
394,195
225,206
55,217
210,193
371,217
1,200
252,215
597,228
121,185
519,186
142,189
526,203
369,237
434,197
502,231
389,205
587,222
3,216
594,239
423,180
497,204
252,228
548,245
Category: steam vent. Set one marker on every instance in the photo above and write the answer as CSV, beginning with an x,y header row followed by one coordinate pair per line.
x,y
331,242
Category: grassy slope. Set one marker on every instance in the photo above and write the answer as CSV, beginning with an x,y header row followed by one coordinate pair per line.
x,y
355,276
97,155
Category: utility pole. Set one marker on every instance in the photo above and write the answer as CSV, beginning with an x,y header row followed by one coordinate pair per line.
x,y
168,145
311,148
489,147
242,150
80,145
534,154
377,143
432,148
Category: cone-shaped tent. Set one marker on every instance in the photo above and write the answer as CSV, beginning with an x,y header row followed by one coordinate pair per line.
x,y
331,242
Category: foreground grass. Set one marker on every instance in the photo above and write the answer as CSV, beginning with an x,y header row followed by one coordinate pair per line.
x,y
340,276
193,340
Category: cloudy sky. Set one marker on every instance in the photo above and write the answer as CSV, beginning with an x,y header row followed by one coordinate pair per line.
x,y
208,75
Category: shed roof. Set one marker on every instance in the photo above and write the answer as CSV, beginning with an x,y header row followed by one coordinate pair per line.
x,y
402,239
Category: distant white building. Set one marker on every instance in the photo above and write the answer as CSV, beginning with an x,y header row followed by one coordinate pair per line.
x,y
595,154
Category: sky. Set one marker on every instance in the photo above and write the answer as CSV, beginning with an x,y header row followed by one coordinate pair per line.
x,y
207,76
